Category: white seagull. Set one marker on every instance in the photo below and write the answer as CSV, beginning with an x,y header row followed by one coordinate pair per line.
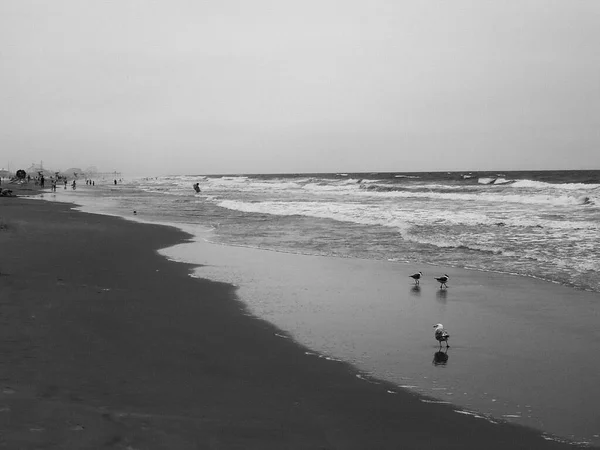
x,y
441,335
443,280
416,276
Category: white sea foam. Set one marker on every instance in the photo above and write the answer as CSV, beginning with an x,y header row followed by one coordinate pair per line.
x,y
563,186
502,181
475,415
393,216
547,194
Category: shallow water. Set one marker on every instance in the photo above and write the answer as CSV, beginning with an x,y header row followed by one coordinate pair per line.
x,y
502,363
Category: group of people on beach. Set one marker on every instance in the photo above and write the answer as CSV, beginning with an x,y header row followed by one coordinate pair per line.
x,y
40,180
54,183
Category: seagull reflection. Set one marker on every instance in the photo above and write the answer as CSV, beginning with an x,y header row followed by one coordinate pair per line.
x,y
415,290
441,295
440,358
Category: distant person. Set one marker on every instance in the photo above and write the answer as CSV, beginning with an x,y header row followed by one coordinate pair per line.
x,y
93,183
65,182
115,182
74,185
197,187
42,180
54,185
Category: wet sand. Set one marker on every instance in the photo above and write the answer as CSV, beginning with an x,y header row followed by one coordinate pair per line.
x,y
520,347
105,343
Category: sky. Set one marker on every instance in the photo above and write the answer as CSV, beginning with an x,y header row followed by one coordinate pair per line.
x,y
153,87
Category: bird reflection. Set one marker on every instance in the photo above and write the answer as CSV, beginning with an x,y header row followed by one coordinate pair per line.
x,y
441,295
415,290
440,358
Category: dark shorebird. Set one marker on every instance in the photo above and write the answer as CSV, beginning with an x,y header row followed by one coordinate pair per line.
x,y
416,276
443,280
441,335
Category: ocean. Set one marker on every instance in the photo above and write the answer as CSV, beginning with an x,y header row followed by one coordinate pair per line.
x,y
538,224
374,229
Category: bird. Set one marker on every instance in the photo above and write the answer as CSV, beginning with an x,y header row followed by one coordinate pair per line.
x,y
443,280
416,276
441,335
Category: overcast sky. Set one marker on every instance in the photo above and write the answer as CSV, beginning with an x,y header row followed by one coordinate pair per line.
x,y
262,86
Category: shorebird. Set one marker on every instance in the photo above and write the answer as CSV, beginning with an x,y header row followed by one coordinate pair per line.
x,y
441,335
443,280
416,276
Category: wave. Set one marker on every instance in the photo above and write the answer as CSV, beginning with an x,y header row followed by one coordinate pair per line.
x,y
348,187
544,185
403,220
457,244
464,195
549,191
370,181
494,180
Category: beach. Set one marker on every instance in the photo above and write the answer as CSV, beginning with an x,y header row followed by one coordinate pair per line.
x,y
107,343
326,258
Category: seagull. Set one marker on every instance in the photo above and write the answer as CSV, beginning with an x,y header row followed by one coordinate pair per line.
x,y
443,280
416,276
441,335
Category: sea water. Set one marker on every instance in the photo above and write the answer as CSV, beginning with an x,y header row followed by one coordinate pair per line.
x,y
540,225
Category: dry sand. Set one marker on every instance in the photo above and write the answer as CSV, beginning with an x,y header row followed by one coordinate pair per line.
x,y
105,343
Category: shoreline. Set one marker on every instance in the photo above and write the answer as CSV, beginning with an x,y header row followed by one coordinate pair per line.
x,y
174,360
367,313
